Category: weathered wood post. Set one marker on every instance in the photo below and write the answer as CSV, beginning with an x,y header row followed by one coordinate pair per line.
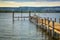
x,y
18,18
50,30
48,25
55,19
21,15
13,17
24,18
51,19
42,27
45,27
42,24
35,13
59,20
37,21
29,15
53,29
45,24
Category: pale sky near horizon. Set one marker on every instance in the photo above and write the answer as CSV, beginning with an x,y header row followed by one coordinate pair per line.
x,y
32,3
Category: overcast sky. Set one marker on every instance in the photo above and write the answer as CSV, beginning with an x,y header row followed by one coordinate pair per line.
x,y
35,3
29,0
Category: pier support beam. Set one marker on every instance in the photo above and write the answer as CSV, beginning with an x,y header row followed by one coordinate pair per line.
x,y
13,18
53,29
29,15
45,23
18,18
55,19
42,24
37,21
21,15
51,19
59,20
48,25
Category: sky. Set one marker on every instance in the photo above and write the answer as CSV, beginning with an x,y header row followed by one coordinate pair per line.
x,y
29,0
32,3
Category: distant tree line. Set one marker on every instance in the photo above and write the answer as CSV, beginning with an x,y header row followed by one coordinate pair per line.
x,y
41,11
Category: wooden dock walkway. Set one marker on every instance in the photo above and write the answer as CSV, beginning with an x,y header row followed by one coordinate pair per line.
x,y
52,27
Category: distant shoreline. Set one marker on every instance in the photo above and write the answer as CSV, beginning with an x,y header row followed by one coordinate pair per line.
x,y
31,9
25,12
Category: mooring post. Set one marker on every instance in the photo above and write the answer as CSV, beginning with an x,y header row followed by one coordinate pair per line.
x,y
29,15
51,19
59,20
40,20
42,23
42,27
53,29
52,24
13,17
18,18
45,23
45,27
48,25
35,13
21,15
55,19
44,19
37,21
24,18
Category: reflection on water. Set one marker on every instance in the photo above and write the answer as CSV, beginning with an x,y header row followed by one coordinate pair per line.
x,y
20,30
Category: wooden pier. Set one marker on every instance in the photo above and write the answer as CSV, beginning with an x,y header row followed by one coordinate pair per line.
x,y
50,26
47,24
20,16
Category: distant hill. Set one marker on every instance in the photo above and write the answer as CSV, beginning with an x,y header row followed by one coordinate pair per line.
x,y
32,9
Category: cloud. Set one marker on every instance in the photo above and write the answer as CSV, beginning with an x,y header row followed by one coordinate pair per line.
x,y
32,4
29,0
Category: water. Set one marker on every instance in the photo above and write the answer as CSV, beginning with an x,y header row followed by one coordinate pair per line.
x,y
20,30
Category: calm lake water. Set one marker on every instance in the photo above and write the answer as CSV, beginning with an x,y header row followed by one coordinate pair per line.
x,y
22,29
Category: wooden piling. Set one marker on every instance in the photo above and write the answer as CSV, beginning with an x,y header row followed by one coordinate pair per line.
x,y
13,17
48,25
24,19
47,18
42,23
55,19
37,21
59,20
18,18
35,13
51,19
29,15
45,21
21,15
53,29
